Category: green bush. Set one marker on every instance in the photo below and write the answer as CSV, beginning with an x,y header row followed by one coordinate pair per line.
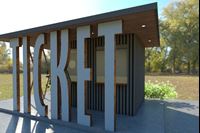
x,y
160,90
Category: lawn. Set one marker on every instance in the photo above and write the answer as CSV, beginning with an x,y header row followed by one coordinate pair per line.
x,y
187,87
6,85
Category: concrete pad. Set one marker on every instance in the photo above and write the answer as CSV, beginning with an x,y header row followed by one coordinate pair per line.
x,y
181,116
154,116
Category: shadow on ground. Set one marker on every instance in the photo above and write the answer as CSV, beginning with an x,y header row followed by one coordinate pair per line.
x,y
29,126
154,116
181,117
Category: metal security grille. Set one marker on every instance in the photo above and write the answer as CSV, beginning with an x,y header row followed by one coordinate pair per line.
x,y
96,97
95,92
73,44
74,94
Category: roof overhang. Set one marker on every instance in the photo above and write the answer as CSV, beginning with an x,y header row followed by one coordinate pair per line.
x,y
141,20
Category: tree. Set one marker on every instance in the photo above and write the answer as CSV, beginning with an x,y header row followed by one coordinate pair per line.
x,y
180,31
155,59
4,53
5,60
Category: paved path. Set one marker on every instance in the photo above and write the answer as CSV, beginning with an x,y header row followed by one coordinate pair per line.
x,y
181,116
153,117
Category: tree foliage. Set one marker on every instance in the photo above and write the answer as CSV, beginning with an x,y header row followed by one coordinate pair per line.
x,y
5,60
179,29
4,54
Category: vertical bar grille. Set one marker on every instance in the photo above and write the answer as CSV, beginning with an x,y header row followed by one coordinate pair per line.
x,y
96,91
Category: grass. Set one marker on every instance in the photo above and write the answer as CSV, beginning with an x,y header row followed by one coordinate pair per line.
x,y
6,85
187,87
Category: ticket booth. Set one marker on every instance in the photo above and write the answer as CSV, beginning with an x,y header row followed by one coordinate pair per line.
x,y
97,64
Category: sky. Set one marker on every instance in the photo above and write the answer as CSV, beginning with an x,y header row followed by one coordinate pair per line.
x,y
18,15
22,14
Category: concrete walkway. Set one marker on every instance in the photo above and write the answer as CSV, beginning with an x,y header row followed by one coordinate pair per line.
x,y
154,116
